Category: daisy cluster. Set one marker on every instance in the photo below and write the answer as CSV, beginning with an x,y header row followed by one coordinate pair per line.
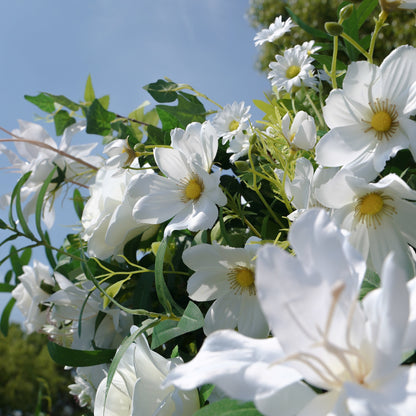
x,y
223,266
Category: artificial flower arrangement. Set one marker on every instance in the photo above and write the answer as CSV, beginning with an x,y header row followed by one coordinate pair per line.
x,y
223,266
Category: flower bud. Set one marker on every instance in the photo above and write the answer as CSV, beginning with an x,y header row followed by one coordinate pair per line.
x,y
139,147
253,139
241,165
346,12
333,28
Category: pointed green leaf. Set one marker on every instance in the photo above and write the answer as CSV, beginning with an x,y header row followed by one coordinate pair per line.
x,y
5,317
62,120
364,10
89,94
19,211
99,119
6,287
192,318
113,291
79,358
105,101
78,202
64,101
162,91
42,101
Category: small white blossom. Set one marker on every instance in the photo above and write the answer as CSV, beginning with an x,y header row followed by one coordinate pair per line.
x,y
302,133
275,31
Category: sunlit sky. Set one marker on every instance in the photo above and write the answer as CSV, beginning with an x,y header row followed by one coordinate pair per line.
x,y
52,46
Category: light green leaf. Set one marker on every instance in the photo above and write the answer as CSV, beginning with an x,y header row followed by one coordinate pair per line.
x,y
192,318
89,94
228,407
42,101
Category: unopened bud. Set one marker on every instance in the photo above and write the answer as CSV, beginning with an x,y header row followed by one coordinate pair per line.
x,y
346,12
253,139
139,147
333,28
241,165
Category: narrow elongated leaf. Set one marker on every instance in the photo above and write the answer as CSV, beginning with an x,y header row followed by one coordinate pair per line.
x,y
79,358
64,101
364,10
42,101
6,287
5,316
18,205
228,407
62,120
78,202
316,33
15,261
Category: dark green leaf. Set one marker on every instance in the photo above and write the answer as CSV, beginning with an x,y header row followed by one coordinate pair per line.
x,y
64,101
316,33
25,256
42,101
48,251
3,225
228,407
364,10
19,211
5,316
98,119
162,91
6,287
62,120
15,261
157,136
79,358
78,203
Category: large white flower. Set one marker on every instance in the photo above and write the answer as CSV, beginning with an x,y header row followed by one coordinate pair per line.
x,y
393,5
227,274
30,296
381,217
232,120
187,192
370,117
351,351
301,134
275,31
292,70
136,387
108,215
42,160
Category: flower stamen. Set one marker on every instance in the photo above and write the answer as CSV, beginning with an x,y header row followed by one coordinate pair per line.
x,y
192,189
292,71
370,208
242,280
234,125
383,119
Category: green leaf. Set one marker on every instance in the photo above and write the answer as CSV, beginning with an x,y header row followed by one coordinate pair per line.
x,y
15,261
89,94
228,407
48,251
99,119
25,256
204,393
42,101
364,10
157,136
62,120
192,318
5,316
162,291
162,91
371,281
78,202
317,34
79,358
6,287
64,101
113,291
164,332
105,101
3,225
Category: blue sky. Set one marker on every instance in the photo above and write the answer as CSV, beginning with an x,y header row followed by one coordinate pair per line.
x,y
52,46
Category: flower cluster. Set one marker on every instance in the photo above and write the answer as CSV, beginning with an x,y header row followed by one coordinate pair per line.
x,y
218,261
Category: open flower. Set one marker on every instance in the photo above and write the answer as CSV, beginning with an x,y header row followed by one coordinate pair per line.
x,y
292,70
187,192
393,5
227,275
275,31
302,133
379,216
136,387
370,117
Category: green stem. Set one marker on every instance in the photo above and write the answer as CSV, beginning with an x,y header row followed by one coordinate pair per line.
x,y
355,44
379,24
333,73
315,109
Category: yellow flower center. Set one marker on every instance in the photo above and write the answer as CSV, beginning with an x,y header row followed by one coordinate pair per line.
x,y
371,207
383,119
292,71
233,125
242,280
193,189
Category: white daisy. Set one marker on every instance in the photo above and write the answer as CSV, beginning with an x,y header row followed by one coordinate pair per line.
x,y
293,69
310,47
276,30
227,275
370,117
187,193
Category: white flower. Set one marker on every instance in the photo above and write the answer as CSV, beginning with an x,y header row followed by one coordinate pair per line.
x,y
239,145
227,274
293,69
276,30
380,216
108,215
370,117
30,296
72,299
42,160
310,47
187,192
120,153
351,351
86,382
231,121
136,387
302,133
